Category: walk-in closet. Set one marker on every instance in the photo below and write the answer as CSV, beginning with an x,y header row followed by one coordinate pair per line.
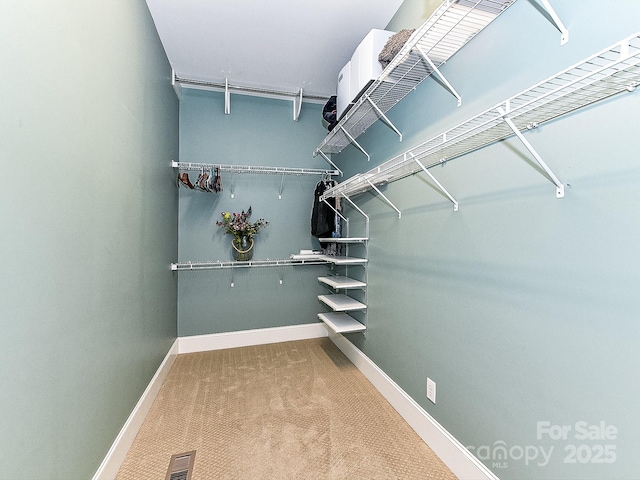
x,y
368,239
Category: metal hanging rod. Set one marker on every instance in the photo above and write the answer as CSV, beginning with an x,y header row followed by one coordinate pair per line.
x,y
267,92
255,169
219,265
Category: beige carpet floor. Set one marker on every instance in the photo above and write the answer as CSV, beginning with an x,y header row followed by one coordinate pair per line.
x,y
293,410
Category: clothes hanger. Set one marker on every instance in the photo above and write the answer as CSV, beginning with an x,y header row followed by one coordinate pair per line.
x,y
218,180
184,179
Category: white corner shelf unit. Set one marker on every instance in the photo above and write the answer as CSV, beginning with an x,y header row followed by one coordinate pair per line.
x,y
612,71
348,314
448,29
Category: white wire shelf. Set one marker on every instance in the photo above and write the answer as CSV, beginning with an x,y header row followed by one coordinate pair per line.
x,y
448,29
219,265
612,71
253,169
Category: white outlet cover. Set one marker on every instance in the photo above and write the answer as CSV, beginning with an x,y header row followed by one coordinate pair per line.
x,y
431,390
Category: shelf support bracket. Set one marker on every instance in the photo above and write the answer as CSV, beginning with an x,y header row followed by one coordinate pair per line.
x,y
353,140
442,189
323,155
383,116
543,165
564,33
366,217
336,211
385,198
227,98
440,75
297,106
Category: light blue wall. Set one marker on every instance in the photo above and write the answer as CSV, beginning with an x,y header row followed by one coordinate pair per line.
x,y
259,131
88,126
522,307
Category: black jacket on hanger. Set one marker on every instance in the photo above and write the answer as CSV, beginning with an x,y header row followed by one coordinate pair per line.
x,y
322,217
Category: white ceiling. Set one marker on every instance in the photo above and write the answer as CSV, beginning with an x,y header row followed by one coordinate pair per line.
x,y
279,44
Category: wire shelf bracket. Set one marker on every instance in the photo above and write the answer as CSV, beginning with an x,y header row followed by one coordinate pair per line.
x,y
227,97
389,202
366,217
536,156
439,74
438,184
297,106
328,160
555,19
384,117
353,141
337,212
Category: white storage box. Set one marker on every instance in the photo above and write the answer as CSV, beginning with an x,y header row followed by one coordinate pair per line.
x,y
361,70
365,67
344,89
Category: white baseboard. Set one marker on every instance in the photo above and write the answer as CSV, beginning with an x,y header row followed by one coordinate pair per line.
x,y
245,338
118,451
458,458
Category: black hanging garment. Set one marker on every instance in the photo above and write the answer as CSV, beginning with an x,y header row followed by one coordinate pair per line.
x,y
322,217
329,112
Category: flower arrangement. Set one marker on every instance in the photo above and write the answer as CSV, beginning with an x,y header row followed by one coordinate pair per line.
x,y
238,225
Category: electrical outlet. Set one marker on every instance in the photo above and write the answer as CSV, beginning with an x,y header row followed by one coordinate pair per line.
x,y
431,390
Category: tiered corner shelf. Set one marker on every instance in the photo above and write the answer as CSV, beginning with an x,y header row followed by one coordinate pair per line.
x,y
612,71
449,28
338,320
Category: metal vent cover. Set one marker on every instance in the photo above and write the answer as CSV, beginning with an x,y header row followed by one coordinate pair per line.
x,y
181,466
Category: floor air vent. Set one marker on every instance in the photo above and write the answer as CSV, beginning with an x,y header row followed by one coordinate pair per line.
x,y
181,466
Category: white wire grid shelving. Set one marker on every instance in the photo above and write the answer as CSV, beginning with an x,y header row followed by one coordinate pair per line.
x,y
220,265
449,28
253,169
612,71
